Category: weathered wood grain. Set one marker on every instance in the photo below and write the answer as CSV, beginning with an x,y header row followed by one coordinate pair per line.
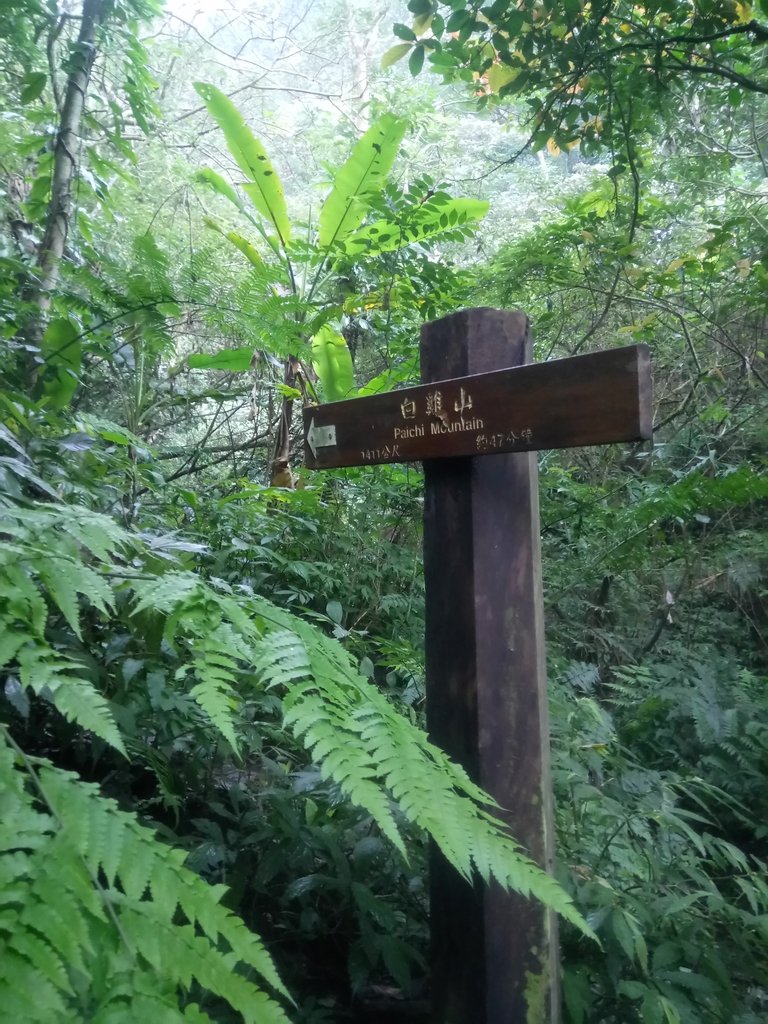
x,y
591,399
494,955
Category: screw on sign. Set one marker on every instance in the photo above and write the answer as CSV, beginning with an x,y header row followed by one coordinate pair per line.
x,y
494,954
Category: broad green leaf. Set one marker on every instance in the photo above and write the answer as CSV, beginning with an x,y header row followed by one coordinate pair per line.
x,y
263,186
207,176
403,32
416,60
576,995
230,360
333,364
670,1010
248,250
34,83
62,353
364,172
499,75
394,54
384,236
109,431
293,394
37,200
334,610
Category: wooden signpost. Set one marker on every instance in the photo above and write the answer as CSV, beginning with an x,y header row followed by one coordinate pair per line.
x,y
494,955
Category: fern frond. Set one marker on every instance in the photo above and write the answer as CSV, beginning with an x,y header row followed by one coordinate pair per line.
x,y
165,593
47,673
95,532
27,995
66,579
379,759
88,893
216,670
283,660
123,888
23,599
11,641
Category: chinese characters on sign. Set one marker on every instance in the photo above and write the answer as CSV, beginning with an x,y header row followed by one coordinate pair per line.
x,y
435,408
487,442
463,403
435,404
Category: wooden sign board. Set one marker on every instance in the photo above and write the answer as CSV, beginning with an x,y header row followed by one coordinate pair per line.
x,y
494,954
591,399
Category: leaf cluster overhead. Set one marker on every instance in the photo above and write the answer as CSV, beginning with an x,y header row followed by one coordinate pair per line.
x,y
589,72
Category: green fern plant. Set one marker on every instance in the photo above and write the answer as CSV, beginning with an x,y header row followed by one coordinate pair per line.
x,y
68,567
101,922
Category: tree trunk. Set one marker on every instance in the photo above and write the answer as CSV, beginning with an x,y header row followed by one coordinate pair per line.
x,y
280,474
45,277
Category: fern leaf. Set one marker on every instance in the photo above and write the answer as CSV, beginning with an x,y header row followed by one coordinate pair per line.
x,y
68,936
75,697
27,995
95,532
57,917
283,659
195,1015
377,755
11,642
165,593
25,600
65,594
42,957
67,579
140,1008
215,920
215,695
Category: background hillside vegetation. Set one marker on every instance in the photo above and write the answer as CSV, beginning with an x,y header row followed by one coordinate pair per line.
x,y
215,788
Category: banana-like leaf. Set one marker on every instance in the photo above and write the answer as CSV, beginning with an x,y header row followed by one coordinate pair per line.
x,y
365,171
207,176
248,250
229,360
332,362
384,236
263,186
62,351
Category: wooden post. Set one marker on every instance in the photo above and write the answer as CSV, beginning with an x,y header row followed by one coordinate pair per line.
x,y
494,954
475,421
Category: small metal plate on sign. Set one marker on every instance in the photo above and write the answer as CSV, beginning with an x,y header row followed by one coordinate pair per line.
x,y
321,437
324,436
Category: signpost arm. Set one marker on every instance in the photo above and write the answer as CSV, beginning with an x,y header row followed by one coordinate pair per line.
x,y
494,954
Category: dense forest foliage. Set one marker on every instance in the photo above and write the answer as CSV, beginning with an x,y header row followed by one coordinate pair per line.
x,y
216,788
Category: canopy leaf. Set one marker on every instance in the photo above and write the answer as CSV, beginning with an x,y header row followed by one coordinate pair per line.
x,y
248,250
332,362
263,187
364,172
229,360
429,220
